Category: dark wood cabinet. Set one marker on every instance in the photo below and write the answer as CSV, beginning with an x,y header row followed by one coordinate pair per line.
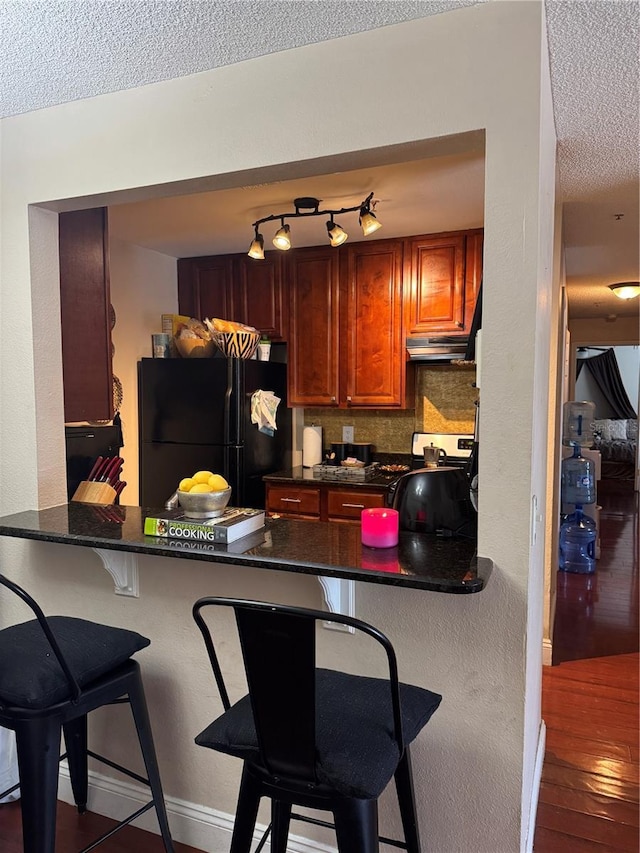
x,y
346,338
442,275
314,333
259,294
372,349
85,313
204,287
321,501
235,287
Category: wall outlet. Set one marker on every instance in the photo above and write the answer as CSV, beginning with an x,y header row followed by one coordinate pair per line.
x,y
347,433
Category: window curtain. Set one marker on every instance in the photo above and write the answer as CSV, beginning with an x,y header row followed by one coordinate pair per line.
x,y
604,369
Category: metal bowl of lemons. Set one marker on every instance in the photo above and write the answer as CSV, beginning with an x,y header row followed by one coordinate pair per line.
x,y
205,495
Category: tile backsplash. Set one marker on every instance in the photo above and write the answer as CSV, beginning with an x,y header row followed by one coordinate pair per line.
x,y
445,399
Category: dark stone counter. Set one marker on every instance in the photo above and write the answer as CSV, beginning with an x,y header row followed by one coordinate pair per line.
x,y
420,561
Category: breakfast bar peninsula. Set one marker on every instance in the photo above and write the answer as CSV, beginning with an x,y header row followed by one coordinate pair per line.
x,y
420,561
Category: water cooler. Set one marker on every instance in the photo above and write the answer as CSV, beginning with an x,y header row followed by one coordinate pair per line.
x,y
579,547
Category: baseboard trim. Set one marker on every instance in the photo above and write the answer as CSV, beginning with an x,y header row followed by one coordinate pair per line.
x,y
547,652
535,789
198,826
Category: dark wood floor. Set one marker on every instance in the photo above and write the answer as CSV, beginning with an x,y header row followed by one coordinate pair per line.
x,y
589,792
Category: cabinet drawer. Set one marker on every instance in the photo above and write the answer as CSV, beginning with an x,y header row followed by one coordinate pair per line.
x,y
344,504
291,500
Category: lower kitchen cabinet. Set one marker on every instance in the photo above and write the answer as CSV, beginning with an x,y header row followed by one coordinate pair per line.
x,y
321,501
294,501
343,505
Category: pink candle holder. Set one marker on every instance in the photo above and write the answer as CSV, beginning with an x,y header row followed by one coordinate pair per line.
x,y
379,527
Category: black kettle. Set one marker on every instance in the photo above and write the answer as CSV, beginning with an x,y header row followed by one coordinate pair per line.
x,y
434,500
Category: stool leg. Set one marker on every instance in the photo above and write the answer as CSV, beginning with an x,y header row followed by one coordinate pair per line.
x,y
246,813
280,820
357,826
407,803
141,716
38,747
75,738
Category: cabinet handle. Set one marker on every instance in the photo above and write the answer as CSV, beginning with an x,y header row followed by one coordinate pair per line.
x,y
459,324
354,506
291,500
348,399
333,399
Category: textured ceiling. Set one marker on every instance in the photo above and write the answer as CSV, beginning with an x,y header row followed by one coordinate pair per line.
x,y
52,51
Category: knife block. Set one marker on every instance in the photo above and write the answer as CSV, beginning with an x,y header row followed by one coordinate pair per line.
x,y
91,492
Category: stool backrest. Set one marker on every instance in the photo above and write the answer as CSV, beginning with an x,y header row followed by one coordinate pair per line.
x,y
278,645
42,619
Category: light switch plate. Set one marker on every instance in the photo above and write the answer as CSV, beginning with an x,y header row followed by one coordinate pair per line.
x,y
347,433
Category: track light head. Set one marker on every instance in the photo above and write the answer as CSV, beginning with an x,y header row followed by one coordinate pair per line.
x,y
368,220
337,234
282,237
256,249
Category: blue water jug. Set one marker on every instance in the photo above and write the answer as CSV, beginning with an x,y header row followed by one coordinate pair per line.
x,y
578,543
578,483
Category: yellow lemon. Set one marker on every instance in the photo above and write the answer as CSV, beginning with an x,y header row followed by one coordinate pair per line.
x,y
202,476
187,484
201,487
218,482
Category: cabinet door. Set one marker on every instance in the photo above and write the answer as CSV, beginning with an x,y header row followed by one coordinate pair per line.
x,y
204,287
435,271
472,274
85,315
258,294
374,362
313,334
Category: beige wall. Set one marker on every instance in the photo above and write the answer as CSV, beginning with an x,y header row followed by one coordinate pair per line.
x,y
478,67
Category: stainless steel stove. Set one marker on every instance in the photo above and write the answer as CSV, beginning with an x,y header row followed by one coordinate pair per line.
x,y
457,446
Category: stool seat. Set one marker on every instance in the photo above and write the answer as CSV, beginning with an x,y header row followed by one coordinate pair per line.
x,y
30,675
356,753
53,672
311,736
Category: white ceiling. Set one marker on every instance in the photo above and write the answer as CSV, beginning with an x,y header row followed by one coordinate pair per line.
x,y
54,51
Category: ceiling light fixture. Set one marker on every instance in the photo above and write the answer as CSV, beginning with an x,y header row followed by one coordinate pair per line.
x,y
626,289
308,206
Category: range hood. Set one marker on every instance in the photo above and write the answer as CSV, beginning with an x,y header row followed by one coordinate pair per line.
x,y
440,349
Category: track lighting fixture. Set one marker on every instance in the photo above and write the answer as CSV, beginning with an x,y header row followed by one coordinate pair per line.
x,y
308,206
626,289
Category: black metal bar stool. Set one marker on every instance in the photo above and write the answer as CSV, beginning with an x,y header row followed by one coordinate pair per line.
x,y
314,737
53,672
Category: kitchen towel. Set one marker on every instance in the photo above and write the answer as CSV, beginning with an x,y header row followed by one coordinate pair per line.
x,y
311,446
264,405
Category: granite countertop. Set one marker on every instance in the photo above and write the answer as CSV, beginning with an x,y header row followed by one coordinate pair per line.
x,y
421,561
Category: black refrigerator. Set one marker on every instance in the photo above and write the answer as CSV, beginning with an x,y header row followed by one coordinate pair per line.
x,y
195,414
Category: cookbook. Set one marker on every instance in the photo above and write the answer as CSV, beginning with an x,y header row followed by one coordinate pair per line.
x,y
234,523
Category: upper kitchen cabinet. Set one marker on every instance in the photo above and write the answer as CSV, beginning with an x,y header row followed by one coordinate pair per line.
x,y
204,287
442,274
314,332
86,315
373,354
259,292
234,287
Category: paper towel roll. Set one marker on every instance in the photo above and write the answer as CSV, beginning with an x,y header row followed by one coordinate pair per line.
x,y
311,446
